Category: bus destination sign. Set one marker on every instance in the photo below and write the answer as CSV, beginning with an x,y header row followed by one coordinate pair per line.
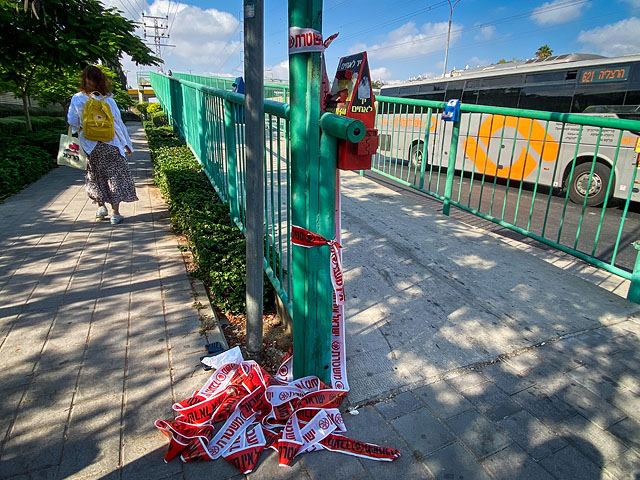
x,y
603,75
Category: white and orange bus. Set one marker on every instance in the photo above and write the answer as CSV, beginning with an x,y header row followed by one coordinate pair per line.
x,y
527,149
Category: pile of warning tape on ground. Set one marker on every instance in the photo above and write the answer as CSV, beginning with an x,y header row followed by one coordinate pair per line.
x,y
262,411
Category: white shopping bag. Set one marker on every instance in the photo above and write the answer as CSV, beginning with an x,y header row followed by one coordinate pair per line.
x,y
70,153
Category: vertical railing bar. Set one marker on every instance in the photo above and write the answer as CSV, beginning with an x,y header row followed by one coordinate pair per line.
x,y
500,148
624,213
569,180
526,157
586,196
513,152
464,158
553,177
608,193
486,160
535,186
473,166
425,148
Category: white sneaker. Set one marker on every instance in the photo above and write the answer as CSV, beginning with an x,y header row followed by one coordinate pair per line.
x,y
116,219
101,213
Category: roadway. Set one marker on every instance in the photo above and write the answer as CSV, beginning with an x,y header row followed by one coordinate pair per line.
x,y
517,203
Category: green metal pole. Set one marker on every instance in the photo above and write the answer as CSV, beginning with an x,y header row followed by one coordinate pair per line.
x,y
451,167
634,288
310,204
230,148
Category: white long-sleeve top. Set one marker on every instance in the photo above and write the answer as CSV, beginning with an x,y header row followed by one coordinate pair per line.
x,y
74,117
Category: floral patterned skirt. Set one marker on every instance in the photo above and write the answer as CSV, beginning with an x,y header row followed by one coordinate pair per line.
x,y
108,179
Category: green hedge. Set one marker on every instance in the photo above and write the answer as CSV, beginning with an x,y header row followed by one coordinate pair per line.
x,y
25,157
196,211
159,119
10,109
18,124
129,116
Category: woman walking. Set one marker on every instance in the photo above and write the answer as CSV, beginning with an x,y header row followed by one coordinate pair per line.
x,y
108,179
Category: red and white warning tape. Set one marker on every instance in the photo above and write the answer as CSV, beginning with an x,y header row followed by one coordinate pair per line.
x,y
262,411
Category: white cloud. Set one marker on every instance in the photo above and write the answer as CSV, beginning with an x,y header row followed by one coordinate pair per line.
x,y
558,11
476,61
204,39
277,72
381,73
409,41
486,33
620,38
633,3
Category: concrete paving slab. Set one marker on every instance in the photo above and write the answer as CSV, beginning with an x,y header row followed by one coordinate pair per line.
x,y
80,319
423,280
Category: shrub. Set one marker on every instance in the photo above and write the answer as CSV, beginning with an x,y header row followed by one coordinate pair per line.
x,y
142,108
48,139
153,108
10,109
159,119
129,116
20,165
18,124
196,211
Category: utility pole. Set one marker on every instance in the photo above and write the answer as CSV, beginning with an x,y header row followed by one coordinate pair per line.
x,y
446,53
254,128
158,34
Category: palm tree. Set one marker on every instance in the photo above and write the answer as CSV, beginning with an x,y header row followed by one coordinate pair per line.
x,y
544,52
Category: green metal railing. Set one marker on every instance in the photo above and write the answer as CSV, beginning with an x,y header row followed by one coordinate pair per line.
x,y
517,168
211,121
277,92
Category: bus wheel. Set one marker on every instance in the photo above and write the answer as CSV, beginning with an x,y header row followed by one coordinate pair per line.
x,y
597,189
415,154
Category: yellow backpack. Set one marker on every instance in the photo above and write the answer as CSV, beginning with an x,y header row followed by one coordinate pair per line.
x,y
97,120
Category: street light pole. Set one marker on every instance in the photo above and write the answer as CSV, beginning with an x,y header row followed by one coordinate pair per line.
x,y
446,53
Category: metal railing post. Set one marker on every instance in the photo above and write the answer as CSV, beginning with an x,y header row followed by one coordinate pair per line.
x,y
451,167
634,288
230,149
310,270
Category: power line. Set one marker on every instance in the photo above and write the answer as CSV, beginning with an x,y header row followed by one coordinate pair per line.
x,y
482,25
529,33
394,20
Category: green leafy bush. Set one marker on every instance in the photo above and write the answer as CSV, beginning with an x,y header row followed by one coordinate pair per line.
x,y
129,116
21,165
142,108
153,108
47,139
18,124
159,119
218,248
10,109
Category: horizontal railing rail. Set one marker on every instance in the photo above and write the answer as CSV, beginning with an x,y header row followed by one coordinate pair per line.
x,y
566,180
211,121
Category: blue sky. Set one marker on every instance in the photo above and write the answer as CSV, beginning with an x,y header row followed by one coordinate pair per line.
x,y
404,38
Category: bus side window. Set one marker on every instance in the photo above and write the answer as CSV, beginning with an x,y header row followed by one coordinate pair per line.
x,y
470,96
552,98
454,90
499,97
602,94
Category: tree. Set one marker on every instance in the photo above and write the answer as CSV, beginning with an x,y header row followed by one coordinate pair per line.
x,y
544,52
513,60
60,87
57,35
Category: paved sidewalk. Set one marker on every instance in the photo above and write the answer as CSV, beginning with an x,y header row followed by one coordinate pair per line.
x,y
477,360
